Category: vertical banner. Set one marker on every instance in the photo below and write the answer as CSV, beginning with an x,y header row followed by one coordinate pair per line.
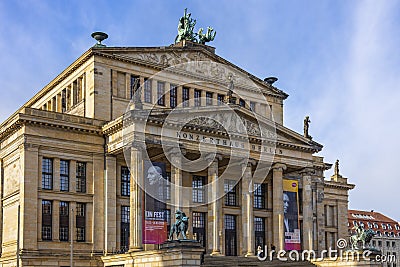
x,y
291,215
154,219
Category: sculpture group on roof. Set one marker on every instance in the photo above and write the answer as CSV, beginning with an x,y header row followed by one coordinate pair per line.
x,y
186,31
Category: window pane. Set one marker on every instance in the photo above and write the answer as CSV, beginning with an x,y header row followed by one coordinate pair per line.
x,y
147,90
173,96
47,173
81,177
125,181
161,93
64,175
185,97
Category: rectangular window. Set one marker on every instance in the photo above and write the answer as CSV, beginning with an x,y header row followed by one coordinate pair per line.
x,y
173,96
64,175
125,220
198,183
185,96
209,98
259,196
252,106
135,83
47,212
230,188
197,98
64,221
147,90
125,181
161,93
81,177
80,221
221,99
242,103
47,173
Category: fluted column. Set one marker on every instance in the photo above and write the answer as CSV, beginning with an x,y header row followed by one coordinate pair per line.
x,y
277,205
216,207
247,211
307,210
136,199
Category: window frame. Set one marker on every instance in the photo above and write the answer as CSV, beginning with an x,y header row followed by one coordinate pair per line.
x,y
231,190
173,96
198,189
160,93
48,174
64,176
81,177
125,181
147,91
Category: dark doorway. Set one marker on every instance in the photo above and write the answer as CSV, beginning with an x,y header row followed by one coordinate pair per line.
x,y
259,228
199,227
230,235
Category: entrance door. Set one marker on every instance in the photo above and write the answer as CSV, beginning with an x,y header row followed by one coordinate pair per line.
x,y
199,227
230,235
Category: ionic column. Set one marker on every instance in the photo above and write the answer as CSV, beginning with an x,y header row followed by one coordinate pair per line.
x,y
247,211
216,207
110,203
136,199
277,205
307,210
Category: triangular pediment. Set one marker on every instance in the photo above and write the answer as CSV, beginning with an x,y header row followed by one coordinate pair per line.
x,y
198,61
234,120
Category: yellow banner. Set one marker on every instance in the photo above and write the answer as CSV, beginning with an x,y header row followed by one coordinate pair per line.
x,y
290,185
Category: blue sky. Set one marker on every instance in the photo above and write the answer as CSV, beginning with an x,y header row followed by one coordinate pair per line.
x,y
338,60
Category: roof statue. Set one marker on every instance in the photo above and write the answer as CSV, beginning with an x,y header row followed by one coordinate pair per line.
x,y
306,127
337,168
186,31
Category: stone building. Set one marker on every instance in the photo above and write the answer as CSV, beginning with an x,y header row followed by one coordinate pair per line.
x,y
387,239
69,171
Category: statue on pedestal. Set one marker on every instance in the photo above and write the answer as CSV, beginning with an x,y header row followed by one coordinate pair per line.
x,y
180,226
362,237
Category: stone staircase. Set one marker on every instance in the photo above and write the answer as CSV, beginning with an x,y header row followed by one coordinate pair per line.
x,y
233,261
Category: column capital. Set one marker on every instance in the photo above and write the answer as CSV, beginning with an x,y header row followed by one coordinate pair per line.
x,y
308,171
279,166
139,145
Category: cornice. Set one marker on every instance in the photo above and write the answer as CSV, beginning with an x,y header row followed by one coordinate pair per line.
x,y
331,184
48,119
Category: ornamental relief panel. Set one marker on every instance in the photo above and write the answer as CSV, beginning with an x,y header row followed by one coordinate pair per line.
x,y
12,176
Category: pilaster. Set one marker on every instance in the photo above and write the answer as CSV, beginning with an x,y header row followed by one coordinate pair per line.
x,y
110,203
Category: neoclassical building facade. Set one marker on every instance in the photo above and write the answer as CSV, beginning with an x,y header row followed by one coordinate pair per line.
x,y
72,160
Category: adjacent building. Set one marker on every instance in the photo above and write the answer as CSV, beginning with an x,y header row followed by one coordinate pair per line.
x,y
72,159
387,239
